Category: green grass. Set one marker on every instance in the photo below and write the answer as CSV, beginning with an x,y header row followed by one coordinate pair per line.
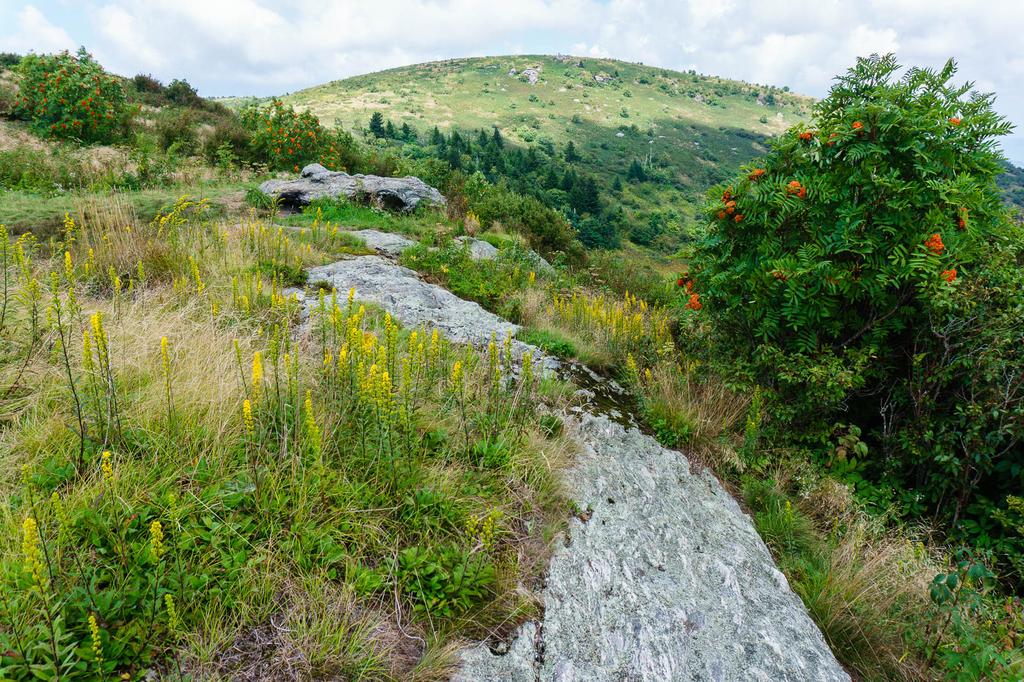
x,y
424,224
43,214
375,475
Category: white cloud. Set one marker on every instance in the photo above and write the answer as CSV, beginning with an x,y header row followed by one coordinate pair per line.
x,y
34,32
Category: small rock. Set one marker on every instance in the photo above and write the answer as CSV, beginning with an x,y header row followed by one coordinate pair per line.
x,y
384,242
478,248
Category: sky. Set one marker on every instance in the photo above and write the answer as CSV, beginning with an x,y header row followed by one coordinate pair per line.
x,y
265,47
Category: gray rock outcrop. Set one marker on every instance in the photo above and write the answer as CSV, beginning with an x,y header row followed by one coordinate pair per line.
x,y
661,576
316,182
414,302
667,579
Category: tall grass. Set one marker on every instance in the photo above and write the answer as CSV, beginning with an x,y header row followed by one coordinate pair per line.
x,y
347,501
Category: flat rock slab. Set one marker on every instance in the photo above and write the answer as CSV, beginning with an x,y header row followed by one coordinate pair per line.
x,y
317,182
414,302
666,580
384,242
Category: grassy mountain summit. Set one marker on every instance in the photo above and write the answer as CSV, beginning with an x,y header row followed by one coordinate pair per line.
x,y
685,130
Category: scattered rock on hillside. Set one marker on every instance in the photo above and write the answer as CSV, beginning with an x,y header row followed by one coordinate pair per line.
x,y
316,182
414,302
478,248
666,579
384,242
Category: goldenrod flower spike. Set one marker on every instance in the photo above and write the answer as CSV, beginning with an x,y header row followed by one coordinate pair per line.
x,y
257,375
247,418
107,467
156,539
97,643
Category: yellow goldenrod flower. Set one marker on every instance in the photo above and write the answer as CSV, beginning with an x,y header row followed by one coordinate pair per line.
x,y
250,423
257,375
97,643
165,356
107,467
312,430
172,612
156,539
30,548
457,373
87,363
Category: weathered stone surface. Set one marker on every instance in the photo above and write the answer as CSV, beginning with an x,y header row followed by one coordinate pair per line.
x,y
478,248
414,302
315,182
384,242
666,580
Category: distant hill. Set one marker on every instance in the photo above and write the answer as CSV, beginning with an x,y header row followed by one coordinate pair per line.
x,y
688,131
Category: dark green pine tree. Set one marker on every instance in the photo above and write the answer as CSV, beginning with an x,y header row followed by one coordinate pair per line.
x,y
551,179
436,138
408,134
498,140
571,155
636,172
617,185
584,197
377,124
390,131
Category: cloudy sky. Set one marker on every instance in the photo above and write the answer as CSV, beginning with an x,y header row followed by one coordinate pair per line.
x,y
262,47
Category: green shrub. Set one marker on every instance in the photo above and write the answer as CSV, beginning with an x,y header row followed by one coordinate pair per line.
x,y
71,96
289,140
867,269
176,128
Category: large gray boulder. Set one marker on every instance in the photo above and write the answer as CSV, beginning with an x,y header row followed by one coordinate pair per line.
x,y
316,182
478,248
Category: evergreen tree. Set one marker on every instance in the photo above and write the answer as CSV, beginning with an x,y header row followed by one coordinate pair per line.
x,y
617,185
408,134
498,140
389,131
377,124
583,196
636,172
436,137
571,155
551,179
598,233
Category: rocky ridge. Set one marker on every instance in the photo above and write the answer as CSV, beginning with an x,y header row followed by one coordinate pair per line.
x,y
661,576
317,182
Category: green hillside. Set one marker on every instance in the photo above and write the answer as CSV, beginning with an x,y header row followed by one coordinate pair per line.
x,y
688,131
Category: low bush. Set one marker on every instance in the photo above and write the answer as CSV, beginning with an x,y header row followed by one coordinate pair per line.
x,y
72,97
866,272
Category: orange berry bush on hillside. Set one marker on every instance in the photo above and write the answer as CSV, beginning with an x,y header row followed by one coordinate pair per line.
x,y
290,140
70,96
834,294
